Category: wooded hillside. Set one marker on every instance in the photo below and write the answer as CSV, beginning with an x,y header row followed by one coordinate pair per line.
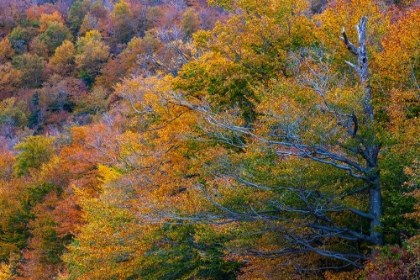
x,y
219,139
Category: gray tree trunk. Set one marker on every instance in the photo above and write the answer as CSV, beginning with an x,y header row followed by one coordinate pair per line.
x,y
371,148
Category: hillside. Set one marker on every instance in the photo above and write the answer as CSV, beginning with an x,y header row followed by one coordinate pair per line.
x,y
193,139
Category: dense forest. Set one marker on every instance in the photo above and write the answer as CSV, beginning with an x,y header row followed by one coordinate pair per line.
x,y
219,139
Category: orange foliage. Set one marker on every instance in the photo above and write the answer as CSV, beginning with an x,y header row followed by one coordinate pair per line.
x,y
46,19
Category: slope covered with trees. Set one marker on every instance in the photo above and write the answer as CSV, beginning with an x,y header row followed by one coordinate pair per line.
x,y
269,139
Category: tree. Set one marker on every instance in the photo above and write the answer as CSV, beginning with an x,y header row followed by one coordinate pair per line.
x,y
252,47
19,38
259,149
91,54
320,117
34,151
6,50
29,241
55,34
138,57
13,234
58,98
11,12
10,79
98,19
41,258
39,47
122,17
63,58
368,146
400,261
266,180
190,22
76,14
137,170
96,101
32,68
46,19
13,112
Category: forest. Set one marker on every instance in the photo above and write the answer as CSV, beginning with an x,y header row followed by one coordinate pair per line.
x,y
218,139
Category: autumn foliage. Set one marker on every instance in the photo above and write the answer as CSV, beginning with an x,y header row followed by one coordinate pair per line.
x,y
218,139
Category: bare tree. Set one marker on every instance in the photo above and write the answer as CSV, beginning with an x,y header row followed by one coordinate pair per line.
x,y
320,225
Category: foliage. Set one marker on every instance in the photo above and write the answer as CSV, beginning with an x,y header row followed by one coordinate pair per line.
x,y
19,38
32,68
34,151
123,21
6,50
209,139
190,22
77,12
46,19
91,54
63,58
14,112
55,34
10,78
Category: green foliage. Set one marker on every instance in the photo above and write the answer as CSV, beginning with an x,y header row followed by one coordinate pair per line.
x,y
224,83
96,101
181,253
111,242
34,151
396,200
255,158
34,118
19,38
91,55
32,67
14,112
55,35
19,200
86,77
13,230
76,14
123,21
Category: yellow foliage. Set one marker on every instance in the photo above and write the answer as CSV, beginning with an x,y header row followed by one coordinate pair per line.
x,y
400,58
5,271
48,18
64,54
91,53
350,275
107,174
346,14
9,77
6,50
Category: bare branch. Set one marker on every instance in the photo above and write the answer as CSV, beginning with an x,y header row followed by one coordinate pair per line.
x,y
349,45
332,254
352,65
250,184
361,213
413,77
342,232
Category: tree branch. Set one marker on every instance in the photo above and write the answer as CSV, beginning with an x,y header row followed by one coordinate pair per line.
x,y
351,234
349,45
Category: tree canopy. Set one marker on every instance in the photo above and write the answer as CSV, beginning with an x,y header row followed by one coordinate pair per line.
x,y
269,139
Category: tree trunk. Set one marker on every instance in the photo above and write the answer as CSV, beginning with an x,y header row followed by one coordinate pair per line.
x,y
375,208
371,147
